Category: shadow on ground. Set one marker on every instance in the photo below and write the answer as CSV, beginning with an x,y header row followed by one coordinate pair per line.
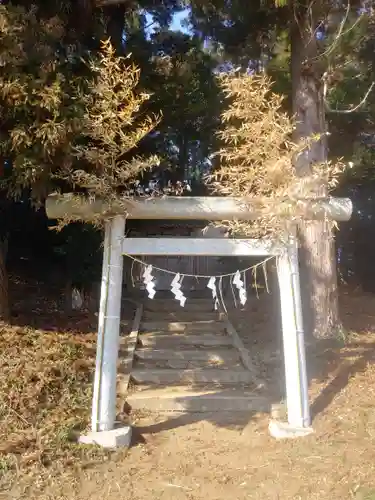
x,y
333,363
235,421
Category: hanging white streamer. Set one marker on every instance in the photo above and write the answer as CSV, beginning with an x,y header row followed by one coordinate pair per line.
x,y
176,280
212,286
148,280
237,280
182,301
243,292
150,287
176,290
243,296
147,274
239,284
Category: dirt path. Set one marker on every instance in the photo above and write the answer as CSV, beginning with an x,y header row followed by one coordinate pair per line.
x,y
183,459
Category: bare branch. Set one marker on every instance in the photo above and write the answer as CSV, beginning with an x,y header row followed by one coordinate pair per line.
x,y
340,33
345,111
106,3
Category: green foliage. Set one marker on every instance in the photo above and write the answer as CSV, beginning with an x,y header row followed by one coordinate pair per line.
x,y
350,74
184,86
35,98
46,97
79,246
178,70
46,132
242,31
67,123
248,33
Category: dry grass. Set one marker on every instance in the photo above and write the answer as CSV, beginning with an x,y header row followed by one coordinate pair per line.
x,y
45,380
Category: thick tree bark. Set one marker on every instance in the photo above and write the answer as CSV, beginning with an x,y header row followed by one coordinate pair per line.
x,y
318,263
115,27
4,289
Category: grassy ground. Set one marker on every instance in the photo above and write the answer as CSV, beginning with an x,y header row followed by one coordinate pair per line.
x,y
45,400
45,381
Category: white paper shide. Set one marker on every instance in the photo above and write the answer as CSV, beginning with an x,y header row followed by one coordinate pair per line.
x,y
239,284
212,286
149,282
176,289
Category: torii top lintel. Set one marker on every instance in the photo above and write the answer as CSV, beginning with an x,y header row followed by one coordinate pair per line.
x,y
193,208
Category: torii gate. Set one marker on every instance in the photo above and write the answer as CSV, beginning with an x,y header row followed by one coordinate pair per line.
x,y
197,208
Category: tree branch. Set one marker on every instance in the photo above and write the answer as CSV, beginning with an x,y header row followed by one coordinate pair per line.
x,y
345,111
106,3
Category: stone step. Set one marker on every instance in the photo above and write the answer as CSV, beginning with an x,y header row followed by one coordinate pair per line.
x,y
183,399
191,305
186,364
177,335
221,356
180,316
194,376
175,341
181,326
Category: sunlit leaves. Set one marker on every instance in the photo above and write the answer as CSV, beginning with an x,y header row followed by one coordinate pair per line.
x,y
68,120
112,125
257,156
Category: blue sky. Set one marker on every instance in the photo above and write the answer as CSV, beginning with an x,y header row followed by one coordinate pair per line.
x,y
177,21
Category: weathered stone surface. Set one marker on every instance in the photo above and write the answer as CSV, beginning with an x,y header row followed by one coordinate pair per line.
x,y
115,438
283,430
182,399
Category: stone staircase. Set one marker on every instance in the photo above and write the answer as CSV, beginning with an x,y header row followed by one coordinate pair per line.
x,y
188,359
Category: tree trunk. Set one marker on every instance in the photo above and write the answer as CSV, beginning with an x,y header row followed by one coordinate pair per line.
x,y
4,288
318,263
115,27
68,288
